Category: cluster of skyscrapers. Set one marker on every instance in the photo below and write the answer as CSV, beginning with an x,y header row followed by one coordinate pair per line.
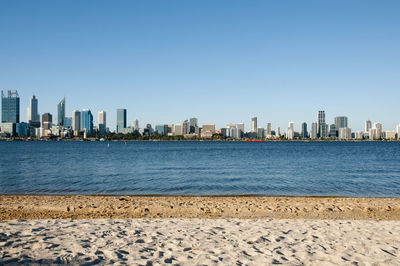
x,y
80,125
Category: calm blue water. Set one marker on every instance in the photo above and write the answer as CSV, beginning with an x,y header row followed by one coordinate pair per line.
x,y
369,169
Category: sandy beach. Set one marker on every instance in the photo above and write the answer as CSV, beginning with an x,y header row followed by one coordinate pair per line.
x,y
200,242
153,230
88,207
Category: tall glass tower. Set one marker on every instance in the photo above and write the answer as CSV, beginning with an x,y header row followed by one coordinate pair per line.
x,y
87,121
61,113
121,120
10,107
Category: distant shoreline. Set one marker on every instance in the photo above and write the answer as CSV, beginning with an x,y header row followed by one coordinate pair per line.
x,y
188,140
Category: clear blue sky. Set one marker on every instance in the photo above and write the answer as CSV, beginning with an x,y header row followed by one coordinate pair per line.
x,y
220,61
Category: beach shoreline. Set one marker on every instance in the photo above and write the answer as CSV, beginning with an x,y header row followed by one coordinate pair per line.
x,y
214,207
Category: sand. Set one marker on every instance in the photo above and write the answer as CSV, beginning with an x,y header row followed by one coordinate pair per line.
x,y
200,241
150,230
87,207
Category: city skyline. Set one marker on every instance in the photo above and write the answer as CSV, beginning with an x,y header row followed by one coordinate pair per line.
x,y
84,121
215,61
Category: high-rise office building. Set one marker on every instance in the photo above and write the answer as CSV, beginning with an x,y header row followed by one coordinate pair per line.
x,y
161,129
10,107
121,120
341,122
320,122
193,125
185,127
102,122
178,130
32,111
398,131
254,124
268,131
278,132
260,133
76,120
47,121
333,132
136,125
314,131
290,131
87,121
368,125
61,112
304,132
344,133
68,122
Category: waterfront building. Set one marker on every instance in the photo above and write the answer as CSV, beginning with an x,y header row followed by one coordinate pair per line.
x,y
61,112
8,128
321,123
368,126
22,129
375,133
10,107
254,124
33,117
390,135
344,133
161,129
121,120
193,125
260,133
240,126
268,131
323,130
47,121
341,122
278,132
207,131
76,122
398,131
185,127
290,131
333,131
304,133
136,125
67,122
170,129
102,116
178,130
359,135
314,131
87,121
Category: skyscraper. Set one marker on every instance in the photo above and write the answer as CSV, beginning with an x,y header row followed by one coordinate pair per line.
x,y
32,111
76,120
185,127
87,121
304,133
341,122
102,122
333,132
193,124
314,131
10,107
290,131
47,120
61,112
254,124
121,120
320,122
268,131
136,125
368,125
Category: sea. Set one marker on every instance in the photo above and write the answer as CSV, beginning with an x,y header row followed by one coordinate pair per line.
x,y
287,168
